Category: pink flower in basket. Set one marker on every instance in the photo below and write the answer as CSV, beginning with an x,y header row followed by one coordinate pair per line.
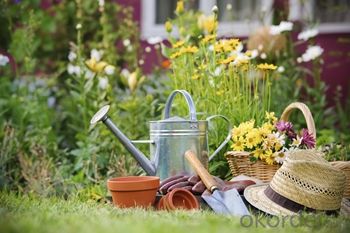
x,y
307,139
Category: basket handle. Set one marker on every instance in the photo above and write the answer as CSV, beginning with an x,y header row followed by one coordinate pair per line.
x,y
307,115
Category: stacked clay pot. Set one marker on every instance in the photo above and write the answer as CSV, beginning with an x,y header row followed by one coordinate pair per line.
x,y
178,198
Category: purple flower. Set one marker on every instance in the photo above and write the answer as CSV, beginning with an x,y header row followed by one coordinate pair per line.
x,y
307,139
284,126
291,134
287,128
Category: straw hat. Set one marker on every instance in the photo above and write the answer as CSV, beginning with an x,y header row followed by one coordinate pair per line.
x,y
305,181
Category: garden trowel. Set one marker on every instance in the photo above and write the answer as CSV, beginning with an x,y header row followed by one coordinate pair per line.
x,y
222,202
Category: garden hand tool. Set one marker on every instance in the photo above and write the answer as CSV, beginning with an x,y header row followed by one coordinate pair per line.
x,y
222,202
169,139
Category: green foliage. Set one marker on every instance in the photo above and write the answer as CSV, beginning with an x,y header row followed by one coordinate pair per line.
x,y
27,157
46,141
95,152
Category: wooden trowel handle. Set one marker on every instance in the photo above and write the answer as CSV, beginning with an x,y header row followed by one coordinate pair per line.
x,y
207,179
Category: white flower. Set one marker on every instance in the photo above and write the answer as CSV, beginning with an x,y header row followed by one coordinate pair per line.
x,y
103,83
141,62
129,48
282,27
280,138
211,48
305,35
297,141
154,40
4,60
101,3
263,56
280,156
299,60
280,69
78,26
148,49
72,69
254,54
109,70
286,26
241,57
211,81
125,73
311,53
217,71
126,42
51,101
214,9
229,7
239,47
96,54
72,56
89,74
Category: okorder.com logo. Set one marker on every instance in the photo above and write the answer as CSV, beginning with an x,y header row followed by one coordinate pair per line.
x,y
300,220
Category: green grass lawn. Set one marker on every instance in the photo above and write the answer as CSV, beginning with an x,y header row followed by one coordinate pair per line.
x,y
32,214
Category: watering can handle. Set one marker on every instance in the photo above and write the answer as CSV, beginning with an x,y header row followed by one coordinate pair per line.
x,y
228,137
189,101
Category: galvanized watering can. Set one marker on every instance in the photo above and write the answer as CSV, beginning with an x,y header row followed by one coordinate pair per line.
x,y
170,138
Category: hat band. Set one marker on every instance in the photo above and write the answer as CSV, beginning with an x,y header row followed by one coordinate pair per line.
x,y
289,204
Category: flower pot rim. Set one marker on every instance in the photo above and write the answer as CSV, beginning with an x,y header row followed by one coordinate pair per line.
x,y
133,183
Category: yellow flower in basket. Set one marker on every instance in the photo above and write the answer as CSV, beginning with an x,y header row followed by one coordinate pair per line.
x,y
271,141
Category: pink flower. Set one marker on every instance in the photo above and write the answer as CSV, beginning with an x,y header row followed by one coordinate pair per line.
x,y
284,126
307,139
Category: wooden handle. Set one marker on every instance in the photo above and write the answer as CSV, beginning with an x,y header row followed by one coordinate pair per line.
x,y
207,179
307,115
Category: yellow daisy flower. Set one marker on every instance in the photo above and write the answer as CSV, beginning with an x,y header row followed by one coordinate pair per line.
x,y
208,38
228,60
179,44
238,146
265,66
270,160
258,153
270,116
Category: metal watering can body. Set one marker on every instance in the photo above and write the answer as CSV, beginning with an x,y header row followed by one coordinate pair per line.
x,y
170,138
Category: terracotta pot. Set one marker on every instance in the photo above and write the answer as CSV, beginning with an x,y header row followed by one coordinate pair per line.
x,y
133,191
178,199
161,204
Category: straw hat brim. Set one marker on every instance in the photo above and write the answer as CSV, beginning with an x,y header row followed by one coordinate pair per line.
x,y
255,195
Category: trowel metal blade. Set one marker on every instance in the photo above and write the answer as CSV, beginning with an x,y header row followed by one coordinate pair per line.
x,y
226,202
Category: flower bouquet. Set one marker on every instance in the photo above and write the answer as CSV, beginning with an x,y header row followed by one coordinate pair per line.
x,y
258,151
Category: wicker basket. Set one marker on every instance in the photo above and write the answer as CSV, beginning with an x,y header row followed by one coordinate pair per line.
x,y
239,161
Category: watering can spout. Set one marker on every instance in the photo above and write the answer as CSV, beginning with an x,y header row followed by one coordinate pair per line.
x,y
144,162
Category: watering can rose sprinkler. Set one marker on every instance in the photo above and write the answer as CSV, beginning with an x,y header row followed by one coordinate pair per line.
x,y
170,138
